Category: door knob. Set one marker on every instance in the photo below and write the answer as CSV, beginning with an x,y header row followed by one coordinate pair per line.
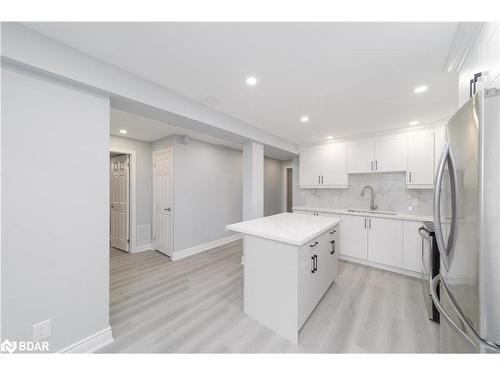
x,y
167,209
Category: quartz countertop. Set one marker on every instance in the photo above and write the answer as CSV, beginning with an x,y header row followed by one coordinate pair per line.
x,y
294,229
340,211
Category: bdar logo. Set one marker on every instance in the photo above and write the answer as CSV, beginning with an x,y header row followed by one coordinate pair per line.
x,y
8,346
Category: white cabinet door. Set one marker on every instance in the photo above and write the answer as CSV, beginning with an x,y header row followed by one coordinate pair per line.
x,y
412,246
390,155
310,165
360,157
305,285
331,256
420,160
324,266
385,240
353,236
334,161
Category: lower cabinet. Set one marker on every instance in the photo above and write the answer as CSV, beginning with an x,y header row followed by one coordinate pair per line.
x,y
412,246
353,236
318,270
378,241
385,239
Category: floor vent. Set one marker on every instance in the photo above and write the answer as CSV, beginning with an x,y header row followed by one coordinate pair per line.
x,y
143,234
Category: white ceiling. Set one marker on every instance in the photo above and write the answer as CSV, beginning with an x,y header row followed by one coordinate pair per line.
x,y
146,129
349,78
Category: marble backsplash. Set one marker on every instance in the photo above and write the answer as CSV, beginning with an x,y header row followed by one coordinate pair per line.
x,y
390,195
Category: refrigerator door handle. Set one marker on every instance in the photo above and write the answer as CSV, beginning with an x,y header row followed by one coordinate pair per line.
x,y
446,250
436,281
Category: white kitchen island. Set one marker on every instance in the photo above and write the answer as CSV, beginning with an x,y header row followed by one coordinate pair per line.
x,y
290,260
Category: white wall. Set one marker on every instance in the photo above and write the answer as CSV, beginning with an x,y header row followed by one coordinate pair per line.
x,y
484,56
207,190
273,179
144,179
55,256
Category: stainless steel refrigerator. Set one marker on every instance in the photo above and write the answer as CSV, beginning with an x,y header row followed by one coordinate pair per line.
x,y
467,227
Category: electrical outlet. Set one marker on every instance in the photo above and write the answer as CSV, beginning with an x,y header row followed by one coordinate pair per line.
x,y
41,330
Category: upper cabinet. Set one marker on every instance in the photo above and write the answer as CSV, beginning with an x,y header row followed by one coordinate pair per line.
x,y
360,157
323,166
328,165
383,155
420,159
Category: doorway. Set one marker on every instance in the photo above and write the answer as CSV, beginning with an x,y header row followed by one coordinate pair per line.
x,y
163,195
122,199
288,189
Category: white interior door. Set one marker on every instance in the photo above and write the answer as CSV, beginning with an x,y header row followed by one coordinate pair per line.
x,y
162,192
119,198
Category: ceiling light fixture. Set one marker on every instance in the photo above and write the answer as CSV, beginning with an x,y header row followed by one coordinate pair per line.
x,y
420,89
414,123
304,119
123,131
251,81
329,137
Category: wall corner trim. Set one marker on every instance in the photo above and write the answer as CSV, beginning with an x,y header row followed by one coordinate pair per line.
x,y
142,247
91,343
205,247
465,36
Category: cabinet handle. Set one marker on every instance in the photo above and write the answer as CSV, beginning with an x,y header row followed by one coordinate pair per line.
x,y
365,222
314,244
322,179
332,251
370,224
409,176
333,231
312,265
315,263
319,179
376,165
371,165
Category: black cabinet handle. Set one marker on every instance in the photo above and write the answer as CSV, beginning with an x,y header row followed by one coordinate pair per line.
x,y
333,247
312,265
314,244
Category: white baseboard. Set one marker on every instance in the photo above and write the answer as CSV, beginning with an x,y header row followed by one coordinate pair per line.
x,y
92,343
384,267
142,247
205,247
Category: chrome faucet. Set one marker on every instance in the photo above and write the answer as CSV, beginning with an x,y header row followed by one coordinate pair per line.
x,y
373,206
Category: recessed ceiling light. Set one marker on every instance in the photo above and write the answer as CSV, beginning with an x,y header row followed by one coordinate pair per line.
x,y
329,137
414,123
251,81
304,119
420,89
123,131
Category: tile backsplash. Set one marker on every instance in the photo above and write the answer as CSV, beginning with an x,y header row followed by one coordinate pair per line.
x,y
390,195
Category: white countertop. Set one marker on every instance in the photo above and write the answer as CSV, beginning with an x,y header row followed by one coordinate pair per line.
x,y
397,215
295,229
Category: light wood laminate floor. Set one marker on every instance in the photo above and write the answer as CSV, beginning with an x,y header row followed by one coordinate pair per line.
x,y
194,305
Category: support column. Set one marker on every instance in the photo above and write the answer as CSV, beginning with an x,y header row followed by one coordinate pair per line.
x,y
253,180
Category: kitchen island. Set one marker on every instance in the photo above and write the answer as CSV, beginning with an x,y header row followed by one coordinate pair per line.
x,y
290,261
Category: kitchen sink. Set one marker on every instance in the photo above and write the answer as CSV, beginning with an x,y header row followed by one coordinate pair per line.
x,y
372,212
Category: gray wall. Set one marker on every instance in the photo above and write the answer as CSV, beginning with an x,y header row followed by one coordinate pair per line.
x,y
273,178
144,179
55,218
207,191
